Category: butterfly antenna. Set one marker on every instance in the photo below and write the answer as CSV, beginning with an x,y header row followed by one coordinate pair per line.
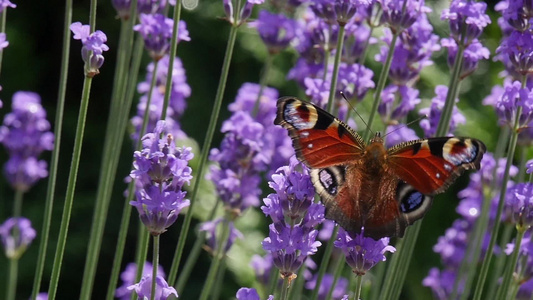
x,y
407,125
353,108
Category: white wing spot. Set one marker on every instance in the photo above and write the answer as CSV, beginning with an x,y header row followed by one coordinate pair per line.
x,y
310,146
304,134
438,175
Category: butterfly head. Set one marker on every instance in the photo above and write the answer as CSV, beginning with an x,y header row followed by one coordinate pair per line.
x,y
377,138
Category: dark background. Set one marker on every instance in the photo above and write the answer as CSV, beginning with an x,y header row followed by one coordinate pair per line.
x,y
32,61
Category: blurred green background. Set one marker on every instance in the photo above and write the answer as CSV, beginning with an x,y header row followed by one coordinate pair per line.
x,y
31,62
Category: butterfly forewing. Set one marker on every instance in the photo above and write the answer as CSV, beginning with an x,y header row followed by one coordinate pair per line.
x,y
319,139
431,165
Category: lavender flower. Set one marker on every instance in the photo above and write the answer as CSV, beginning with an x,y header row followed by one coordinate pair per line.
x,y
246,10
400,15
397,102
42,296
213,236
397,134
276,30
160,171
151,7
517,48
357,36
262,266
337,11
473,53
3,41
143,288
180,90
362,253
25,134
430,124
5,4
291,235
529,166
123,8
156,31
128,278
513,97
325,285
441,283
16,244
519,199
467,20
249,294
524,269
516,14
93,47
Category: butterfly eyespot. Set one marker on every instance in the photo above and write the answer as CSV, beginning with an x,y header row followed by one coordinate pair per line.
x,y
300,116
411,201
328,181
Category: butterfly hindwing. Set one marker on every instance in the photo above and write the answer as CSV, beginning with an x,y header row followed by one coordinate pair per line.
x,y
431,165
319,139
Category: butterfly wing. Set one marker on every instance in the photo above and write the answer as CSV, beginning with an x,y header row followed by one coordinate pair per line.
x,y
431,165
319,139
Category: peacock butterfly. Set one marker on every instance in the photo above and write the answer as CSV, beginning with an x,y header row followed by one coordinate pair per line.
x,y
382,190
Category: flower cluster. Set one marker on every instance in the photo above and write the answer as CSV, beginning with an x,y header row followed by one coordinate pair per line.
x,y
519,200
276,30
15,244
292,237
156,30
25,134
250,294
525,268
128,278
143,288
180,91
244,14
160,172
93,47
467,20
434,112
362,253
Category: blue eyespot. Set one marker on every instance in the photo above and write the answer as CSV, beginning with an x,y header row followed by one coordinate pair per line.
x,y
412,201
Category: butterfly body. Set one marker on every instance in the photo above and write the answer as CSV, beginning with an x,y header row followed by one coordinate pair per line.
x,y
382,190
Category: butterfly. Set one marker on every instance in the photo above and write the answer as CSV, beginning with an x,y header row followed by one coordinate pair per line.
x,y
382,190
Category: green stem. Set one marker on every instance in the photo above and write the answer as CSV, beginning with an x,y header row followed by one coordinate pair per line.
x,y
3,18
358,286
17,204
117,122
262,82
126,211
12,279
379,274
71,186
297,284
325,261
58,125
339,267
219,282
468,268
205,151
497,221
285,288
500,262
192,258
381,85
171,57
336,64
446,116
142,250
273,282
508,275
219,256
155,264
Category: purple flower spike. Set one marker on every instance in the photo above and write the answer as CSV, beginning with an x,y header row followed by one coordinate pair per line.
x,y
160,172
292,236
210,227
249,294
519,200
517,48
434,112
400,133
93,47
513,97
472,55
15,246
151,7
246,11
325,286
400,15
397,102
123,8
3,41
42,296
128,278
362,253
25,134
143,289
469,14
337,11
441,283
529,166
5,4
276,30
156,31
